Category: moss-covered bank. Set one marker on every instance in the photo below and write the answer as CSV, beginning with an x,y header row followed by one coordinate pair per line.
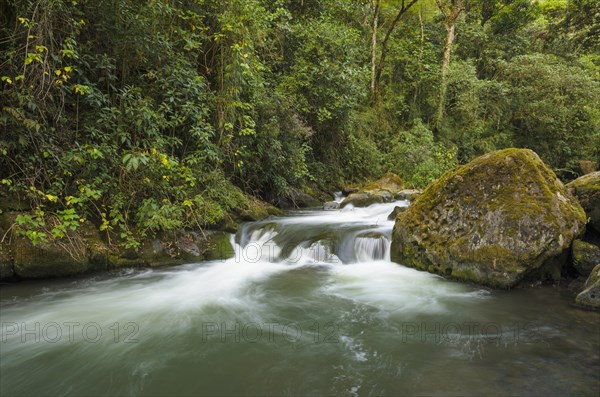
x,y
88,250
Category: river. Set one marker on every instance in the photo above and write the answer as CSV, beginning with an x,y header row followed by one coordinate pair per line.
x,y
309,305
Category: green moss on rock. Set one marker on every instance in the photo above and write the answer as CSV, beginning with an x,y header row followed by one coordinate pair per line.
x,y
219,246
587,190
257,210
492,221
585,256
590,296
380,191
47,259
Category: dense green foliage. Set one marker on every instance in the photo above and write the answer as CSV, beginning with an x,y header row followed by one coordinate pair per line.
x,y
149,116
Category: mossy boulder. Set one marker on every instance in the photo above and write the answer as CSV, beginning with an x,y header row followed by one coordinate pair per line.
x,y
218,246
496,221
380,191
587,190
590,296
257,210
585,256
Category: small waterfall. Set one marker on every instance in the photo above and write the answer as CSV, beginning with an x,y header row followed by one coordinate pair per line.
x,y
338,197
347,236
370,248
259,245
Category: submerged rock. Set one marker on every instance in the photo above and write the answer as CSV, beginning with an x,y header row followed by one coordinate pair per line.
x,y
590,296
500,219
585,256
380,191
587,190
331,205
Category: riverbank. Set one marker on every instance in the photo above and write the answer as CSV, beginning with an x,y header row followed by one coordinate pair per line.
x,y
87,249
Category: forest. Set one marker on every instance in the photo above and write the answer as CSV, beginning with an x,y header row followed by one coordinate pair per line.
x,y
150,116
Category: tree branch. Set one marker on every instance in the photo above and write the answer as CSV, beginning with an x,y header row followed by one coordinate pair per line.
x,y
403,9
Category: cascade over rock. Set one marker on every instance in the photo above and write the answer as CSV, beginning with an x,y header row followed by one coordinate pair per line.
x,y
500,219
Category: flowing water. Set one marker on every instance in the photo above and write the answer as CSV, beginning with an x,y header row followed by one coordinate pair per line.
x,y
309,305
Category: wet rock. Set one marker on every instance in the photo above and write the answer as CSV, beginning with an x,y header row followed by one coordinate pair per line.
x,y
298,199
408,194
257,210
585,257
496,221
380,191
587,190
218,246
331,205
590,296
46,260
394,214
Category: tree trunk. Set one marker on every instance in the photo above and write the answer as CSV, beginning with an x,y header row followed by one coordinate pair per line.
x,y
374,50
377,68
445,66
451,11
421,57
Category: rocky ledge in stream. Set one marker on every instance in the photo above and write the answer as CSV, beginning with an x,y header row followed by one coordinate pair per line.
x,y
500,220
388,188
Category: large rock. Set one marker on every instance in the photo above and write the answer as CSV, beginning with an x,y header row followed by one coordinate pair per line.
x,y
590,296
257,210
587,190
380,191
585,256
500,219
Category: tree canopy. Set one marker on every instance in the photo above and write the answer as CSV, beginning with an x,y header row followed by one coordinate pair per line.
x,y
162,114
